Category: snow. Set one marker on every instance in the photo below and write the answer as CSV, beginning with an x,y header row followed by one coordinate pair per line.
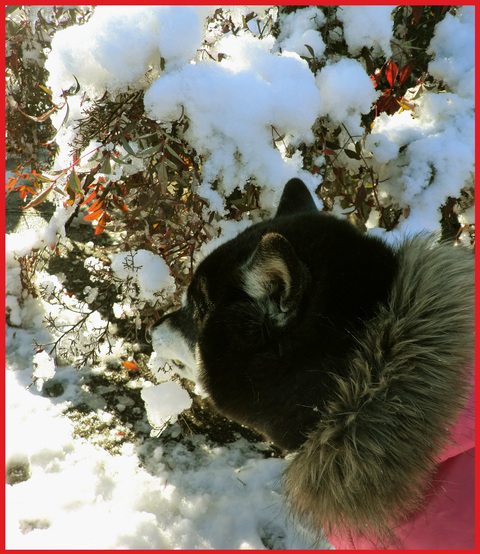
x,y
382,148
147,271
43,368
369,26
112,56
301,28
454,48
67,490
168,345
347,92
232,107
157,495
21,244
437,137
164,402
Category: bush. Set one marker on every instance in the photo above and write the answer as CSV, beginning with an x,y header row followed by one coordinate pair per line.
x,y
157,153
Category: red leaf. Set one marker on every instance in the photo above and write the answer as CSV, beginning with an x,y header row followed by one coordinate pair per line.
x,y
405,72
130,365
102,223
329,152
417,13
91,197
96,205
94,215
339,175
388,104
381,104
100,228
391,72
11,184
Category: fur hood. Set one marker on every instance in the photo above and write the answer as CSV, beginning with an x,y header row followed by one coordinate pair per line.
x,y
368,462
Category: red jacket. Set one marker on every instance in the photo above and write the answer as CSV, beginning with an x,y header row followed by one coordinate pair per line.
x,y
447,519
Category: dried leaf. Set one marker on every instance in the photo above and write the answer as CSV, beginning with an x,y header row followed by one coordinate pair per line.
x,y
73,89
352,154
39,118
47,90
405,104
74,183
40,198
310,49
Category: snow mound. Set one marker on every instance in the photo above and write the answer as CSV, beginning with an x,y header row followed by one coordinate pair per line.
x,y
347,92
299,29
148,271
118,47
236,107
454,47
369,26
44,368
165,402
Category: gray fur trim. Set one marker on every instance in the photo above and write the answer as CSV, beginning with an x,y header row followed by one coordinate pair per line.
x,y
368,463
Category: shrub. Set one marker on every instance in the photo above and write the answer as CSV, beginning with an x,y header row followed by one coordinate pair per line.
x,y
98,151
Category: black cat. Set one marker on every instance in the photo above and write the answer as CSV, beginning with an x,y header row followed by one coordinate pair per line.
x,y
339,347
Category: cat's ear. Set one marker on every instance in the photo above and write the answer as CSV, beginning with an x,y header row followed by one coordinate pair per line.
x,y
276,278
296,198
